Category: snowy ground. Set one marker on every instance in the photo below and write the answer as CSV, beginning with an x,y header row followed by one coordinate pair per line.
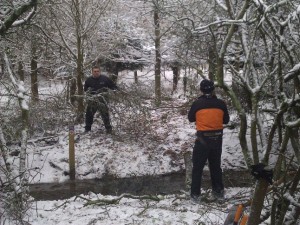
x,y
98,154
175,210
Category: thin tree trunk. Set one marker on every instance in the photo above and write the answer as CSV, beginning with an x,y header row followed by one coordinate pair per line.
x,y
241,113
21,71
80,105
253,130
286,203
184,82
115,72
23,104
2,66
277,172
3,149
258,202
157,58
211,62
72,90
175,70
33,75
79,69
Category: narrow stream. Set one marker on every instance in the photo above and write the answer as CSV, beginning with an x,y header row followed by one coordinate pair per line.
x,y
162,184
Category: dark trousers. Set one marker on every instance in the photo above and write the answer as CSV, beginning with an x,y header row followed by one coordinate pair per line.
x,y
91,109
207,148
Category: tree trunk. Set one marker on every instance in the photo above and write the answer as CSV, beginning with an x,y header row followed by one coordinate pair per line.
x,y
157,58
21,71
33,74
184,82
285,203
79,62
72,90
211,62
80,106
22,179
79,79
258,202
115,72
239,108
175,70
2,66
253,129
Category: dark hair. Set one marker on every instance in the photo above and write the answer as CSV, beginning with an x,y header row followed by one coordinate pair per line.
x,y
207,86
96,67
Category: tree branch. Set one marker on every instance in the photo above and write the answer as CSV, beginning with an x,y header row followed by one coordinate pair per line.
x,y
101,202
12,19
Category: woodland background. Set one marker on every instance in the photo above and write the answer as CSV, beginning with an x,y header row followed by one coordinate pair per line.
x,y
255,41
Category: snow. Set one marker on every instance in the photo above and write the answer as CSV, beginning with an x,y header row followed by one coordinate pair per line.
x,y
170,210
98,154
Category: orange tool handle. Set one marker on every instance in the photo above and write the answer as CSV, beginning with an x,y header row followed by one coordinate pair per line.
x,y
244,220
238,214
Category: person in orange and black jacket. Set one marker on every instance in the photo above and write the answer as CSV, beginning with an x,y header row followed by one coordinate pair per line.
x,y
209,114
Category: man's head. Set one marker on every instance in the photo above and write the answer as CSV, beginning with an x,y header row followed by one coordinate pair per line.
x,y
207,86
96,71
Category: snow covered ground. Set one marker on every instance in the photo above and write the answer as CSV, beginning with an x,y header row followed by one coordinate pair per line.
x,y
172,209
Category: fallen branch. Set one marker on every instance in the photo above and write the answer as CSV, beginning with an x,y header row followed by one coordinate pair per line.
x,y
101,202
46,139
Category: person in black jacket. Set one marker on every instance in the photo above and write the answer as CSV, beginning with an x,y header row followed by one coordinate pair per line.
x,y
97,85
209,114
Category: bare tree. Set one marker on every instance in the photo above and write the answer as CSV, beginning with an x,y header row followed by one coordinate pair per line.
x,y
262,45
258,42
157,39
76,35
13,14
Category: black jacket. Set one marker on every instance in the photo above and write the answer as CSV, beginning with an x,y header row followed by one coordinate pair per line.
x,y
209,113
99,85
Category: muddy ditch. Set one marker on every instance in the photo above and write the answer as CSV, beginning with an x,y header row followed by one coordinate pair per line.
x,y
162,184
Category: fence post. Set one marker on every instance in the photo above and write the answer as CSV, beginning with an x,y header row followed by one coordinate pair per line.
x,y
72,152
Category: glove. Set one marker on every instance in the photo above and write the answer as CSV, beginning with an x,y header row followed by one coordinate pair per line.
x,y
259,171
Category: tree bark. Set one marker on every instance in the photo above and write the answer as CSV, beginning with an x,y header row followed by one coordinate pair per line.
x,y
258,202
211,62
79,78
21,71
114,72
33,74
79,62
253,129
175,70
157,58
72,90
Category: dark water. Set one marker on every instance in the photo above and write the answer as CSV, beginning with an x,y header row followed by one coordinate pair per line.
x,y
162,184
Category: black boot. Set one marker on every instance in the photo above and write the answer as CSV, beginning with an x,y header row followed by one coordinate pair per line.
x,y
87,129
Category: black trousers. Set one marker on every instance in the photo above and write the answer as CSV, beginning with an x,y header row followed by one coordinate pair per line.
x,y
207,148
91,109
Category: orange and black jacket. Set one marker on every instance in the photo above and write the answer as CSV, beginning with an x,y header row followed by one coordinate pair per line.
x,y
209,113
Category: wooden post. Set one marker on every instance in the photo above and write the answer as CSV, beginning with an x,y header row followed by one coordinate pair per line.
x,y
72,152
135,77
